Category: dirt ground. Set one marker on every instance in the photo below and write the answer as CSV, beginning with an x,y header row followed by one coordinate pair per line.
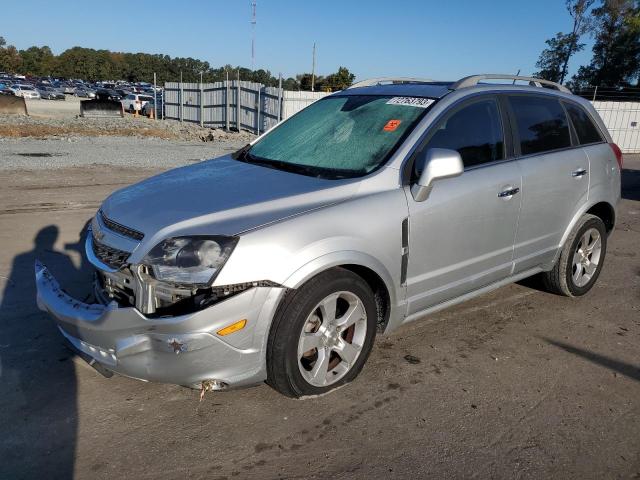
x,y
59,119
515,384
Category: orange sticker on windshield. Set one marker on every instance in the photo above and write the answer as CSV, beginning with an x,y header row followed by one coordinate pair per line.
x,y
392,125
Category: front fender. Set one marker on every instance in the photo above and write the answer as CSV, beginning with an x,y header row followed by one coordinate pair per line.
x,y
352,257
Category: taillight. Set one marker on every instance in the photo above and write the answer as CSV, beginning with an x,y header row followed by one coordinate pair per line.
x,y
618,153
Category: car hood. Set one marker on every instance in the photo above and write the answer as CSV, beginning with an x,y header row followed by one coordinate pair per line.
x,y
220,196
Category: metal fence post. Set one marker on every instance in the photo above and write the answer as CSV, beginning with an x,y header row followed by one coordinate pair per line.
x,y
258,112
238,103
226,112
279,97
201,102
181,98
155,98
595,92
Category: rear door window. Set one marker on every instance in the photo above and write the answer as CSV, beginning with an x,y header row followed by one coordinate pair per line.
x,y
474,131
541,124
583,125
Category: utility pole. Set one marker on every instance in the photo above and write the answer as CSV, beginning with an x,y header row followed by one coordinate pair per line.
x,y
253,34
313,69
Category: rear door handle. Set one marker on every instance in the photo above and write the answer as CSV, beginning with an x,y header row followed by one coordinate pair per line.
x,y
579,173
508,193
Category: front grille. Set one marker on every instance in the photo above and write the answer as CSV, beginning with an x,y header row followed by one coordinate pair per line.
x,y
111,256
121,229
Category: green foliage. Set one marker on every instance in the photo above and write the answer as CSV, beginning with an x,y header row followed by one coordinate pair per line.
x,y
340,80
10,60
37,61
554,60
616,51
93,65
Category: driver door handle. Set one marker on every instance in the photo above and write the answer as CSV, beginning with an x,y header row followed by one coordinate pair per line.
x,y
508,192
579,172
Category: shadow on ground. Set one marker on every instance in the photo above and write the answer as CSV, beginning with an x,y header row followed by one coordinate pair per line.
x,y
38,406
630,184
617,366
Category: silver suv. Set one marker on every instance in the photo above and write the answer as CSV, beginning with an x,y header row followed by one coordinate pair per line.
x,y
368,209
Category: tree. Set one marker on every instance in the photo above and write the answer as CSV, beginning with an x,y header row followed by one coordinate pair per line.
x,y
554,60
290,84
10,60
37,61
340,80
94,65
616,50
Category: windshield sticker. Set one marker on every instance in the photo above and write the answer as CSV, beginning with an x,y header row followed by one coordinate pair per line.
x,y
392,125
411,101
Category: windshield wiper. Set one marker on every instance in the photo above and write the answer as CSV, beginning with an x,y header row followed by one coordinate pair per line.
x,y
280,165
243,155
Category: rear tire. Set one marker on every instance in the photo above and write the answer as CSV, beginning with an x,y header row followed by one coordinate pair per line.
x,y
322,334
581,259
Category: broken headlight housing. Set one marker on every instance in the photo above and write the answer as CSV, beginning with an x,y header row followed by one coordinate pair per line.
x,y
193,260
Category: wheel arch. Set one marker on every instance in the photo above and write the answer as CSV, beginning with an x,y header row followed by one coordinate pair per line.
x,y
603,210
371,270
606,212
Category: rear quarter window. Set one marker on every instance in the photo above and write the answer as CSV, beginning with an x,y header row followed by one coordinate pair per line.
x,y
583,125
541,124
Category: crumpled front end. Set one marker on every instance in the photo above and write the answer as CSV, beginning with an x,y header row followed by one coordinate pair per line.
x,y
153,331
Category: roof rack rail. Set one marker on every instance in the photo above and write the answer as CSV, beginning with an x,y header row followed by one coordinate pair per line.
x,y
385,80
473,80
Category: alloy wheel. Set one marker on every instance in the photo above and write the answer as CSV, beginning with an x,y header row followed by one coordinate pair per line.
x,y
332,338
586,257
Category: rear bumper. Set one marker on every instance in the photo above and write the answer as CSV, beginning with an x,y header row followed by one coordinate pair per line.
x,y
183,350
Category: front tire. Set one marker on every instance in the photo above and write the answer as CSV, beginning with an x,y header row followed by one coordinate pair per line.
x,y
322,334
581,259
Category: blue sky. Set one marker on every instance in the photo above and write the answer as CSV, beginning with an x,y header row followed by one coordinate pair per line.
x,y
436,39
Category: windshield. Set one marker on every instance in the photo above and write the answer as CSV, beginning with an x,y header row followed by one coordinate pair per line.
x,y
339,136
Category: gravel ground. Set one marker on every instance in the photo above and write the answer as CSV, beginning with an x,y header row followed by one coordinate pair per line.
x,y
55,119
75,151
517,383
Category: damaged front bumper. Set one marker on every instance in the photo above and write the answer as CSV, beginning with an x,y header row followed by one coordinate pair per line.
x,y
183,350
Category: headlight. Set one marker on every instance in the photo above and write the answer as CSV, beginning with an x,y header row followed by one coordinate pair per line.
x,y
191,260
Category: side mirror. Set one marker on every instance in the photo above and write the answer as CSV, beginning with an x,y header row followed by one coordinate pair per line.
x,y
438,163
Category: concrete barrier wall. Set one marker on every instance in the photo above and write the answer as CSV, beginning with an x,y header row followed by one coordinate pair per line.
x,y
12,105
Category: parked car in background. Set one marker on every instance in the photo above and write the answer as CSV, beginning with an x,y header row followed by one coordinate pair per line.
x,y
135,102
85,92
50,93
26,91
148,107
68,89
6,91
369,209
108,94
